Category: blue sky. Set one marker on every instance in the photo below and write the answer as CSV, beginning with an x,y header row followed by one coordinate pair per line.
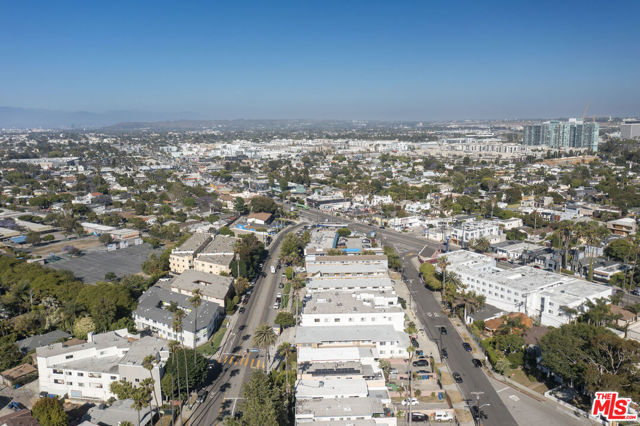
x,y
426,60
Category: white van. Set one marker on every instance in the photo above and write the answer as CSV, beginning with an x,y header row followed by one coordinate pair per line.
x,y
442,416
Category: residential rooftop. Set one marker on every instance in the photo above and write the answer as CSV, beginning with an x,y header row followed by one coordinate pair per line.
x,y
211,285
343,302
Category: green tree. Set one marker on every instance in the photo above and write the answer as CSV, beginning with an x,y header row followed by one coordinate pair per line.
x,y
285,319
344,232
82,326
261,204
226,231
620,249
50,412
33,238
197,371
263,403
105,238
481,245
239,206
263,337
148,363
393,258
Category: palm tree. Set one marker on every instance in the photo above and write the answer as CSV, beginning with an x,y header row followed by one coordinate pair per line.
x,y
411,350
178,316
141,399
593,233
443,262
196,301
173,347
264,337
297,284
571,312
285,350
147,363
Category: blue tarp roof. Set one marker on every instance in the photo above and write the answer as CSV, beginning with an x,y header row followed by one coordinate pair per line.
x,y
19,239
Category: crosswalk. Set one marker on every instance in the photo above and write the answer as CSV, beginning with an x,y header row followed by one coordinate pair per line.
x,y
248,360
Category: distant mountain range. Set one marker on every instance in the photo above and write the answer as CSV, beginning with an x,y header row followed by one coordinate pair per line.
x,y
28,118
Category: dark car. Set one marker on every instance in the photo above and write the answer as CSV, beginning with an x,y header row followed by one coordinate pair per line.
x,y
466,346
636,292
202,395
476,363
242,309
420,363
444,354
443,331
414,342
419,417
457,377
475,413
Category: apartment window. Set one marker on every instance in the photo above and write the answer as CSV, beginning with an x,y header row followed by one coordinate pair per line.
x,y
68,357
350,319
95,375
336,320
81,385
80,374
69,373
69,384
137,380
57,371
114,378
58,381
363,319
316,320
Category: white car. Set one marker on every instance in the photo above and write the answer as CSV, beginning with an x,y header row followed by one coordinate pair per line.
x,y
410,401
276,305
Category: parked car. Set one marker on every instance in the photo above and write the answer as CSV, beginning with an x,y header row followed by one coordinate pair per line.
x,y
202,395
636,292
443,331
410,401
419,353
466,346
419,417
457,377
242,309
414,342
281,285
476,363
442,416
420,363
444,354
276,305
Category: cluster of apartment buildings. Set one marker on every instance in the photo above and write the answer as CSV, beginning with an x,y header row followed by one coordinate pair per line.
x,y
563,134
351,318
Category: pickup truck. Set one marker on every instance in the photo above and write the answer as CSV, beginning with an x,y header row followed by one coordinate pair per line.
x,y
273,269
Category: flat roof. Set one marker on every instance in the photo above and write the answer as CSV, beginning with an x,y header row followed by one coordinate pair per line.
x,y
194,242
118,338
330,388
351,353
333,268
339,407
215,286
343,302
352,333
363,282
220,245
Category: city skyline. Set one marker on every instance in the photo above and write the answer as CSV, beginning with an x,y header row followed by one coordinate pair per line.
x,y
360,61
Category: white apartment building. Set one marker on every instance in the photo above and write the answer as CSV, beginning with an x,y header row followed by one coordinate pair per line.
x,y
86,370
153,313
535,292
315,285
464,233
385,339
361,308
182,257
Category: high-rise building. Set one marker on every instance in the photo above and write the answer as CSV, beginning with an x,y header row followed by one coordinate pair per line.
x,y
563,134
630,130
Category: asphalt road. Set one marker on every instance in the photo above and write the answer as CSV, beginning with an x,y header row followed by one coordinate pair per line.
x,y
423,302
226,389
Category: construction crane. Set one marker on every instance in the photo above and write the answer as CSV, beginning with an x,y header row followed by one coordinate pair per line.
x,y
586,110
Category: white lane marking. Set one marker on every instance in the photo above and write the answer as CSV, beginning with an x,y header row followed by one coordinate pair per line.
x,y
504,388
513,397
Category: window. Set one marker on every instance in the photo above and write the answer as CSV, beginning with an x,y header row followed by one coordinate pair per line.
x,y
68,357
316,320
69,373
113,378
57,371
80,374
137,380
336,320
80,384
58,381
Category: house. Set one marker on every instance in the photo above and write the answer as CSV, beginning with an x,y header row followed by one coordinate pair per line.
x,y
182,257
465,233
19,418
494,324
154,314
260,218
19,375
31,343
625,226
85,371
625,317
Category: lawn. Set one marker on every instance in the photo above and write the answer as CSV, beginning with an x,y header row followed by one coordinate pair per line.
x,y
212,346
521,377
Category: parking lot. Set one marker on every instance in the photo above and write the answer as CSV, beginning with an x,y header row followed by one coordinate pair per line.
x,y
93,266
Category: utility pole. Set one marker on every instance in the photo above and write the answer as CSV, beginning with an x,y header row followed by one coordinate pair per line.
x,y
477,394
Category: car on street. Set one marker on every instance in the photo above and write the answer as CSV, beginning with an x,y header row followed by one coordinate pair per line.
x,y
419,417
466,346
420,363
457,377
419,372
410,401
242,309
635,292
475,413
443,331
444,354
476,363
281,285
202,395
414,342
276,305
